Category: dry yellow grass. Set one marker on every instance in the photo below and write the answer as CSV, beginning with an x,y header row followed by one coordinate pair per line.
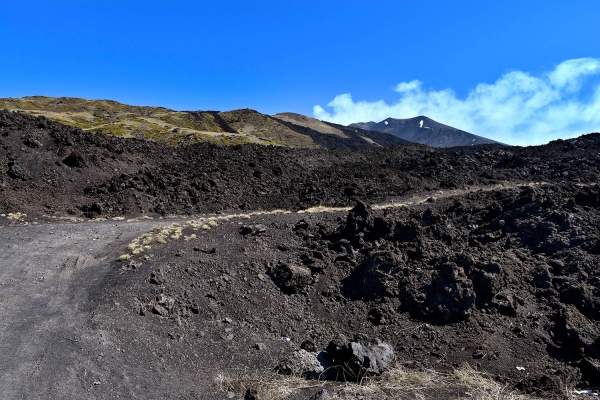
x,y
15,216
398,383
156,235
190,237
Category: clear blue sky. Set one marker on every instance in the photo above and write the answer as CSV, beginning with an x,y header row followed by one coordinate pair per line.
x,y
277,56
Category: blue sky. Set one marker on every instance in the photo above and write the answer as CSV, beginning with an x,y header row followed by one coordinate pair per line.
x,y
477,65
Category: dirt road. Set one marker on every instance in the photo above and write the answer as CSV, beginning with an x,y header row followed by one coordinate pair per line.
x,y
48,275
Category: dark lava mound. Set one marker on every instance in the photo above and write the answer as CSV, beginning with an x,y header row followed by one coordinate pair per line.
x,y
497,280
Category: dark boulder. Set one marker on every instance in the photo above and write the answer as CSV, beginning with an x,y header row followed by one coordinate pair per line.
x,y
74,160
253,230
156,278
446,297
15,172
360,219
251,394
290,278
32,142
363,356
590,372
376,278
302,363
93,210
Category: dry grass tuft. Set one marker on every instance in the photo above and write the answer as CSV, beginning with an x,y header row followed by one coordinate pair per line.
x,y
397,383
194,225
482,387
269,384
16,216
156,235
322,209
175,231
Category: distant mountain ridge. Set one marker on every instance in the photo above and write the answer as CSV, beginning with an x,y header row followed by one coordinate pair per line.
x,y
179,128
424,130
328,135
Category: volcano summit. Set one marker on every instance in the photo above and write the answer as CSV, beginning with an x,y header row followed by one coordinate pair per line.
x,y
425,131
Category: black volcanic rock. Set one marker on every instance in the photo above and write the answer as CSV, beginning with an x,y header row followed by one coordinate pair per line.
x,y
127,176
425,131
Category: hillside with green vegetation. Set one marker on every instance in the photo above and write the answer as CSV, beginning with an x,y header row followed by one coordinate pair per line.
x,y
161,124
181,128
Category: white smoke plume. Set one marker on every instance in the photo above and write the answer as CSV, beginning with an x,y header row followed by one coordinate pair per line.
x,y
518,109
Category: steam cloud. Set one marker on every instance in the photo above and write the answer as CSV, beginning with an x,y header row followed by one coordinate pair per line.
x,y
518,108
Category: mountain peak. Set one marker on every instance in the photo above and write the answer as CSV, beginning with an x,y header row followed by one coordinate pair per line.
x,y
424,130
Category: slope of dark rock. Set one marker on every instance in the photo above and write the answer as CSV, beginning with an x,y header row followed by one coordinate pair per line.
x,y
504,281
49,168
425,131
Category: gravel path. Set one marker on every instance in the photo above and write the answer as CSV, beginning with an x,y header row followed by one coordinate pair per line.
x,y
47,273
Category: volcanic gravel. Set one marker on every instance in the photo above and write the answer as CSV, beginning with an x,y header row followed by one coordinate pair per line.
x,y
500,280
506,280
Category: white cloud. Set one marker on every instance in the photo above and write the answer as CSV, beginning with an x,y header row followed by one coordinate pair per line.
x,y
518,108
411,86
